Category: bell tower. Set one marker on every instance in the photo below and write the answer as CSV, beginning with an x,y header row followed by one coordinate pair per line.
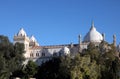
x,y
21,37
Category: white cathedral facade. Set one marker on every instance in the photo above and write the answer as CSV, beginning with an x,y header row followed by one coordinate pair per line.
x,y
41,54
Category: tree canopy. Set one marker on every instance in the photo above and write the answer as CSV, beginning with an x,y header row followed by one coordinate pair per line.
x,y
11,57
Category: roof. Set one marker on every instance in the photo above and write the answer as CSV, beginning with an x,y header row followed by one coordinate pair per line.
x,y
93,35
22,32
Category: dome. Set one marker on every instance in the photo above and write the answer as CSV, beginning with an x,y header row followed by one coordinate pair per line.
x,y
93,35
66,51
32,39
22,32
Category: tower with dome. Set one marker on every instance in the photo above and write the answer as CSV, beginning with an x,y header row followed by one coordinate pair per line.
x,y
41,54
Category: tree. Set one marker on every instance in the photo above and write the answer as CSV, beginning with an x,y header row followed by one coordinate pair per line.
x,y
64,69
93,51
115,68
10,58
83,68
49,69
107,61
30,69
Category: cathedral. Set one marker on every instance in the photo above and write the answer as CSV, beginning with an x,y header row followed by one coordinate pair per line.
x,y
41,54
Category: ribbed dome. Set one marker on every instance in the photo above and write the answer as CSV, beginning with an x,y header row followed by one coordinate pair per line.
x,y
93,35
32,39
22,32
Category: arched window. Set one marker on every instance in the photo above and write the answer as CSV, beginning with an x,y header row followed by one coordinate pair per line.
x,y
43,54
37,54
31,54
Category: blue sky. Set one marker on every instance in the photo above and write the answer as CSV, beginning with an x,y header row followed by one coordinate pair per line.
x,y
59,21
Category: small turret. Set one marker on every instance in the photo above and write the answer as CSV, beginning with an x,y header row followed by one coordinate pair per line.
x,y
79,39
71,45
114,40
103,36
33,41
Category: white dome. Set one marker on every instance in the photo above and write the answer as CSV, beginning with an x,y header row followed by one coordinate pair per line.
x,y
32,39
93,35
66,50
22,32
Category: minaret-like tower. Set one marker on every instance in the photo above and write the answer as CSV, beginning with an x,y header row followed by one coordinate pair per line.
x,y
114,40
79,43
79,39
103,36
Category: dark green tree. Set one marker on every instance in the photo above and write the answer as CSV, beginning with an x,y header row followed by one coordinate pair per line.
x,y
10,58
65,65
49,69
30,69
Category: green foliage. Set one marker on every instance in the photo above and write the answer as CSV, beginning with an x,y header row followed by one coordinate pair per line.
x,y
105,57
65,66
93,51
83,68
10,59
49,70
30,70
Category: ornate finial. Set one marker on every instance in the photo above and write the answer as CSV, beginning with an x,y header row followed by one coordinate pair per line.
x,y
92,24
